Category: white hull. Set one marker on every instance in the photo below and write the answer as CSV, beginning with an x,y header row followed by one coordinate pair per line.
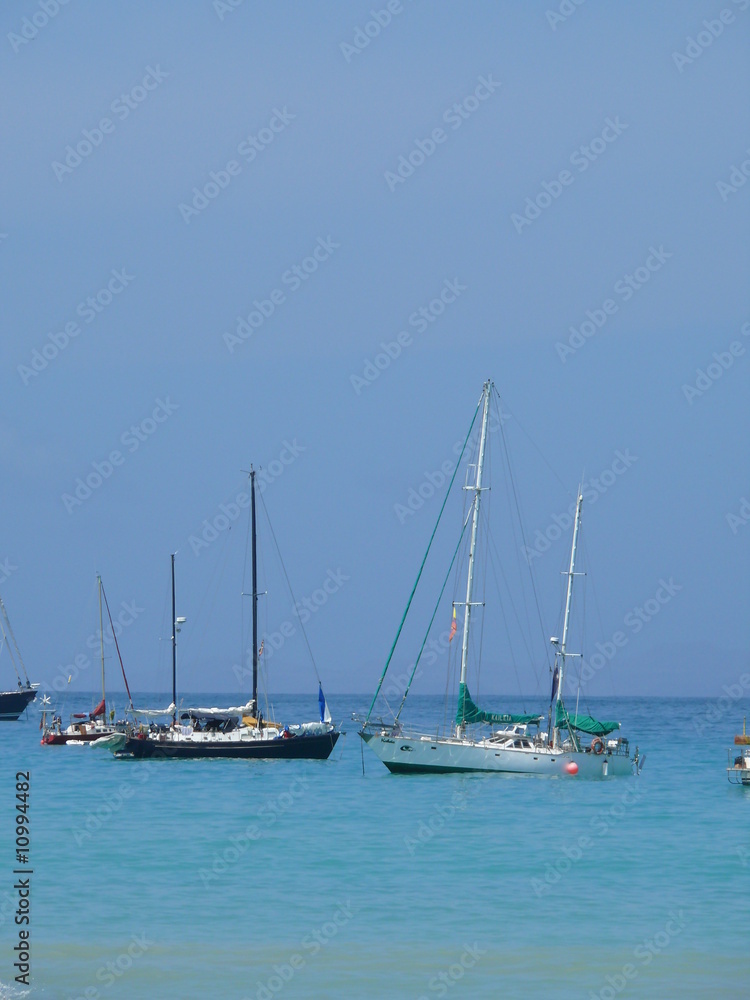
x,y
424,754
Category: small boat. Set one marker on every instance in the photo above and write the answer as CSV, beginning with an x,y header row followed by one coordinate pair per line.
x,y
473,743
738,771
86,727
242,731
113,741
13,703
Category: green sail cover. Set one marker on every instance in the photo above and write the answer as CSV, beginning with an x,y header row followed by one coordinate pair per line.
x,y
584,723
468,713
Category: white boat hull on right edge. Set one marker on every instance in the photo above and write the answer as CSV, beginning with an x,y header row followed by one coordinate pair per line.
x,y
419,754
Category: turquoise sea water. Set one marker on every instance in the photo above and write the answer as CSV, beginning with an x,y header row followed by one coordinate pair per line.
x,y
307,879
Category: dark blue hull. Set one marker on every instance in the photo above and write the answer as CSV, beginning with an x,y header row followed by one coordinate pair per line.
x,y
313,747
12,703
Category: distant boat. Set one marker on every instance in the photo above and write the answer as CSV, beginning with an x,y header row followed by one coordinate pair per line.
x,y
738,771
13,703
507,745
230,732
85,727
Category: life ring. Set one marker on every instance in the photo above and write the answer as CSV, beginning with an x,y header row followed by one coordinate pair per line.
x,y
597,745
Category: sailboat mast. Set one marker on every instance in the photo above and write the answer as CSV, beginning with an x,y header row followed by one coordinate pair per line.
x,y
477,488
255,590
568,603
101,641
174,649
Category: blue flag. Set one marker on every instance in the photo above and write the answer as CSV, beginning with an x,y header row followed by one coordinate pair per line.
x,y
325,715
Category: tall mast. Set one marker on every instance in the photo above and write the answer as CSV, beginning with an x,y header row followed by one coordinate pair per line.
x,y
477,488
563,648
255,590
174,649
101,642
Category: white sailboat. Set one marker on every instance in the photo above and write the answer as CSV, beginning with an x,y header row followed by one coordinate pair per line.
x,y
507,742
88,727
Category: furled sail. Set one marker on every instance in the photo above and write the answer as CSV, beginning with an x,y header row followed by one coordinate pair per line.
x,y
584,723
469,713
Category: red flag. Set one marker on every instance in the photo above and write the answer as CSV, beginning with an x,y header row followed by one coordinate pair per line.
x,y
454,627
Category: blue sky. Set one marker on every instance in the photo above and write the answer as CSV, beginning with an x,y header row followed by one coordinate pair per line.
x,y
304,134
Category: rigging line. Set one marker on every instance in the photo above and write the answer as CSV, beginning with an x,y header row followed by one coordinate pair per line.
x,y
534,445
6,645
434,613
485,515
449,686
591,583
527,630
13,638
424,560
117,646
507,630
526,638
244,580
523,534
289,587
453,656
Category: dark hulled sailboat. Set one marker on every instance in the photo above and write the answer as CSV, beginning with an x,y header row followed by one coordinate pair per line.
x,y
233,732
14,702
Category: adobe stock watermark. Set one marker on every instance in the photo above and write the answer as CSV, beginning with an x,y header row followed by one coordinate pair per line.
x,y
738,176
417,497
716,710
600,825
248,150
440,984
706,36
310,946
455,116
107,804
231,510
302,611
7,569
714,370
112,971
643,954
741,518
624,290
581,158
292,279
122,107
224,7
269,813
434,648
633,623
420,319
442,814
564,11
88,309
591,490
124,617
131,440
31,26
364,34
